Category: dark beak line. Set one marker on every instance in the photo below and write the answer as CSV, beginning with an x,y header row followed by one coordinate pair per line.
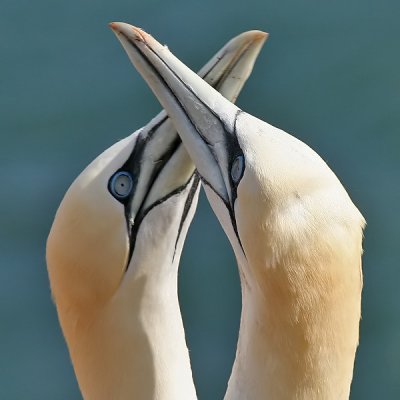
x,y
188,203
228,70
133,226
143,212
161,78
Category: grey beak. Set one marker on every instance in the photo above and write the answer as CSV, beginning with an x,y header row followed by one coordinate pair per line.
x,y
204,119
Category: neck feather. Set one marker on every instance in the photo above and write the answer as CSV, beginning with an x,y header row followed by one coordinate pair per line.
x,y
299,333
133,347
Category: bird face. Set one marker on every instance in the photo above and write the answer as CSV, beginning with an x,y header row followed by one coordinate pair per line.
x,y
207,148
295,232
272,193
89,233
128,212
91,244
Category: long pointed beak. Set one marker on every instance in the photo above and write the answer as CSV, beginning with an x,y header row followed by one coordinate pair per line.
x,y
204,119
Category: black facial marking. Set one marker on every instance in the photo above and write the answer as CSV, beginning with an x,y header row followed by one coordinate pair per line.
x,y
231,142
188,203
133,166
133,226
234,150
133,163
230,211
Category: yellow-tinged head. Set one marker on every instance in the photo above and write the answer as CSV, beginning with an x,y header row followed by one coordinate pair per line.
x,y
114,249
256,172
296,234
88,245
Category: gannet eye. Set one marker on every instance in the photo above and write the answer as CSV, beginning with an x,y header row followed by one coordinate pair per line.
x,y
237,168
121,185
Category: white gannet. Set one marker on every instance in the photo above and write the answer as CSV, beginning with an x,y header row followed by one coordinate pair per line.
x,y
114,249
295,232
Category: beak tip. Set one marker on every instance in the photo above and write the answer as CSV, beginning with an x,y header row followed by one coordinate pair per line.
x,y
253,39
260,35
129,31
115,27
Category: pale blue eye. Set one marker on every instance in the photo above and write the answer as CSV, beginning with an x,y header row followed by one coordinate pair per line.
x,y
121,185
237,168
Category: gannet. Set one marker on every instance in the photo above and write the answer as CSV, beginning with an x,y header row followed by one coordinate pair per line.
x,y
114,248
295,232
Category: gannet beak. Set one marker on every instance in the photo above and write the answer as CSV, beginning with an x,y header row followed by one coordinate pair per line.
x,y
204,119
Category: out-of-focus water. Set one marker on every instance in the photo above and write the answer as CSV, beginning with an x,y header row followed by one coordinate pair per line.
x,y
329,74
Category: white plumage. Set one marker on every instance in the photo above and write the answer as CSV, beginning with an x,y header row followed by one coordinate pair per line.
x,y
114,249
296,234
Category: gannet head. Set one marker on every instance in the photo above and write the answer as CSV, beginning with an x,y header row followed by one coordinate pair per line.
x,y
91,244
115,217
295,232
272,193
114,248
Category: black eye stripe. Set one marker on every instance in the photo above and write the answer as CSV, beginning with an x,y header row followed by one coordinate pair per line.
x,y
133,226
131,169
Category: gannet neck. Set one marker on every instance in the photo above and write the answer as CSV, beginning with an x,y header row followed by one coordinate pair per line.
x,y
300,269
134,349
133,346
295,232
301,298
114,249
291,347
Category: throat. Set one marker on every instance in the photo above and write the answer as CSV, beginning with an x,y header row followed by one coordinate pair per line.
x,y
294,347
133,347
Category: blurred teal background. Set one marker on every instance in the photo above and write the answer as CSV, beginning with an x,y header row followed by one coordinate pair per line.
x,y
329,74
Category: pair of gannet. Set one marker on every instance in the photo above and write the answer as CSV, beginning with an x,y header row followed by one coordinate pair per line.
x,y
114,247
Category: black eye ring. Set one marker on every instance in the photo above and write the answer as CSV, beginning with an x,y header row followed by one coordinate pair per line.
x,y
237,169
121,185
